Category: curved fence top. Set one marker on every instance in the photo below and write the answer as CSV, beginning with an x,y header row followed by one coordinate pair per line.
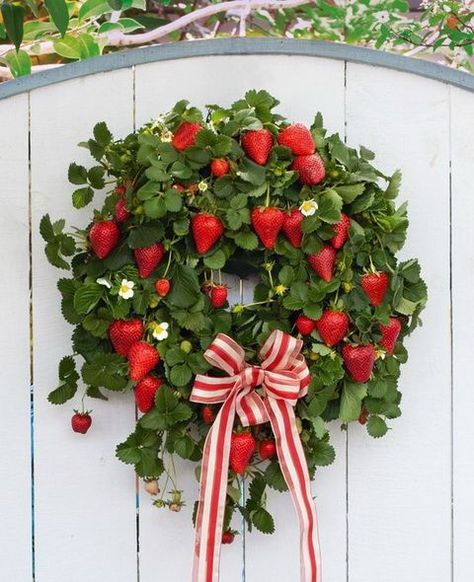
x,y
239,46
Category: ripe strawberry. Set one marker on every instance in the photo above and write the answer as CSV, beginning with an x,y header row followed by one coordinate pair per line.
x,y
207,415
364,416
81,422
145,392
185,135
332,326
390,334
120,190
267,223
310,169
242,447
298,138
452,22
228,537
341,230
375,286
123,334
359,361
207,229
292,227
142,358
304,325
267,449
323,261
162,287
104,237
220,167
121,213
148,258
257,145
218,296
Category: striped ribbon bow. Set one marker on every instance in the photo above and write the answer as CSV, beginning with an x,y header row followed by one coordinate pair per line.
x,y
283,377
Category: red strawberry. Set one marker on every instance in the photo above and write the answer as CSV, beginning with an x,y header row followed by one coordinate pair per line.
x,y
341,230
120,190
304,325
104,237
364,416
218,296
121,213
207,229
220,167
185,135
148,258
242,447
257,145
123,334
207,415
322,262
332,326
162,287
267,449
142,358
228,537
145,392
310,169
390,334
375,286
292,227
359,361
267,223
81,422
298,138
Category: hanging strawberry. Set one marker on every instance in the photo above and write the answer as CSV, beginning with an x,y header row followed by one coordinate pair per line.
x,y
332,326
123,334
298,138
148,258
390,333
220,167
145,392
104,237
162,287
292,227
341,230
142,359
81,422
310,169
375,286
242,448
218,296
185,135
207,229
257,145
323,262
359,361
305,325
267,223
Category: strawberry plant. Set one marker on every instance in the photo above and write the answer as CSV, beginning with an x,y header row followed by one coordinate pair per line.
x,y
145,294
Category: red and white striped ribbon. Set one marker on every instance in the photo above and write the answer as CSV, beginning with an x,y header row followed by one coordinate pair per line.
x,y
284,377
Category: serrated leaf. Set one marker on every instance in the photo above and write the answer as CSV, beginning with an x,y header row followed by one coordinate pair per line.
x,y
351,400
102,134
350,192
216,260
82,197
62,394
274,477
376,427
394,184
87,297
46,229
105,370
246,240
180,375
323,454
263,521
77,174
145,236
185,289
330,206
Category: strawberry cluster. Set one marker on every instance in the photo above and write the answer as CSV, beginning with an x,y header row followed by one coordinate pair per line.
x,y
308,219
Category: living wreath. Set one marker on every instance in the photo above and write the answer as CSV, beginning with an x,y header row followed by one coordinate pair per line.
x,y
240,190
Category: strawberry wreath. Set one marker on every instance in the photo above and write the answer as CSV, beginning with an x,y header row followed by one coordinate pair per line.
x,y
244,389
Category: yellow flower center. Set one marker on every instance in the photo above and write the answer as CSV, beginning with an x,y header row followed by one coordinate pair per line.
x,y
308,205
124,288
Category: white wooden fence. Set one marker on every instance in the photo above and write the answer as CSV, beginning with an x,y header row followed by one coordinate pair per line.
x,y
400,509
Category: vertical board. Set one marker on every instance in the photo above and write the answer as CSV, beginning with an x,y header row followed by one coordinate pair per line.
x,y
15,449
462,153
223,80
399,487
85,497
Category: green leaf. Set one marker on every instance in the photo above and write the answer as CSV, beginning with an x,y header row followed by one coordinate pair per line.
x,y
13,16
46,229
263,521
102,134
105,370
18,62
167,411
145,236
87,297
96,177
376,427
349,192
62,394
246,240
185,289
180,375
68,47
173,201
82,197
351,400
155,207
94,8
59,14
251,172
184,447
274,477
89,47
216,260
330,206
77,174
394,185
323,454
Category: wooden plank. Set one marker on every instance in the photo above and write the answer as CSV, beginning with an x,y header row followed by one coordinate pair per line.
x,y
15,449
399,487
222,79
462,155
85,497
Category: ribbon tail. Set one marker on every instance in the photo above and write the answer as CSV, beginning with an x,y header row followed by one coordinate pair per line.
x,y
295,471
212,495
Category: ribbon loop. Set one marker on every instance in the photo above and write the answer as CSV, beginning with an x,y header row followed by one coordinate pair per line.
x,y
283,377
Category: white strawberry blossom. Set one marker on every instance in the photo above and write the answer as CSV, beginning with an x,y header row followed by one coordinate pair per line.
x,y
104,282
160,331
309,207
126,289
202,186
166,135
